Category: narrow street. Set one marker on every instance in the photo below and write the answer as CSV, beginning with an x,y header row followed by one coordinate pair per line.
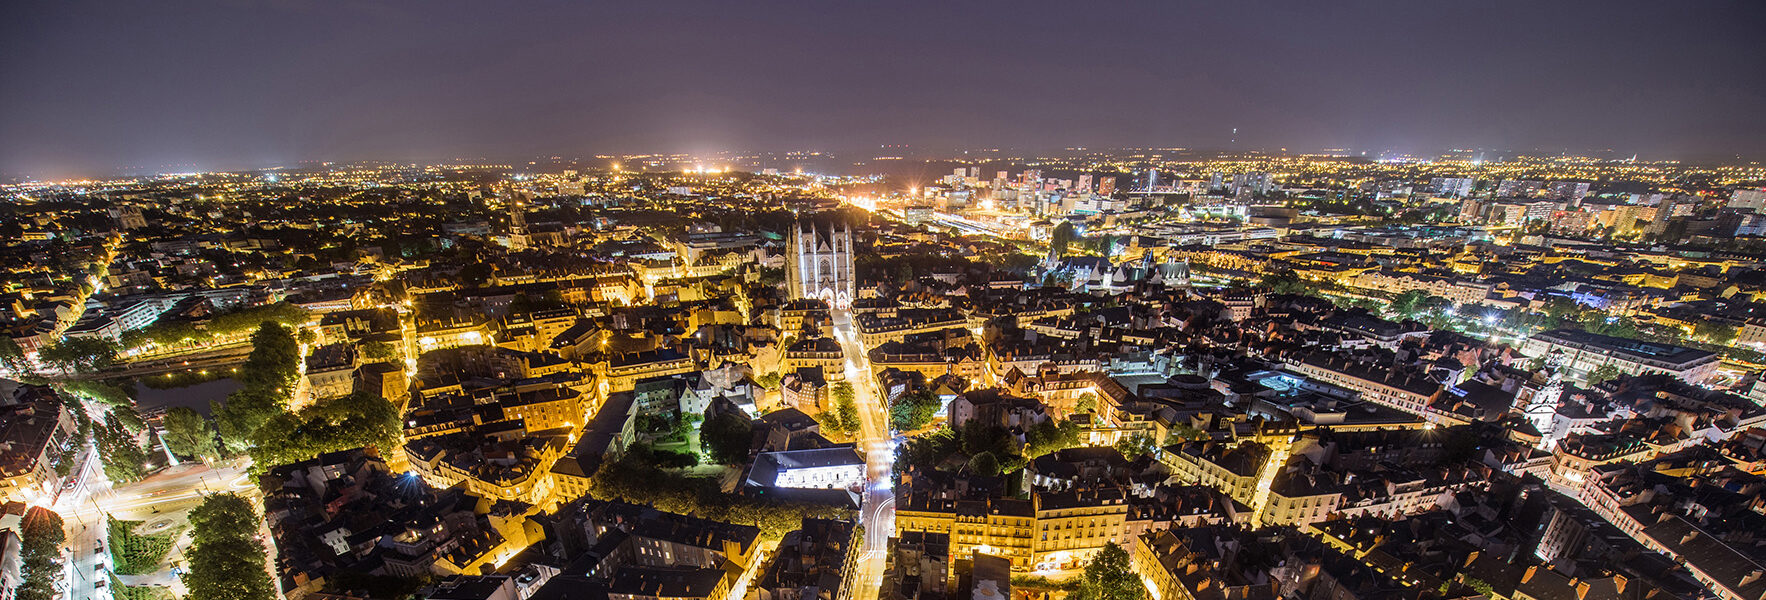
x,y
877,512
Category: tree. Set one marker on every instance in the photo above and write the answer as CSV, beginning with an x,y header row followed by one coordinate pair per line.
x,y
226,560
166,333
80,354
475,274
1559,308
1109,577
1406,304
188,434
664,459
124,459
845,407
1602,373
683,426
1715,332
97,390
769,381
380,351
12,357
984,464
1049,436
1087,403
40,554
978,437
247,319
1286,281
651,424
1136,445
266,383
241,414
1435,304
913,410
726,438
1184,432
274,360
126,416
1061,237
354,421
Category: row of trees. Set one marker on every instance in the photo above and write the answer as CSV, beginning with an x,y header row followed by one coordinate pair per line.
x,y
80,354
116,434
227,562
988,449
1557,312
844,416
175,333
135,553
12,357
1289,282
267,381
256,420
633,479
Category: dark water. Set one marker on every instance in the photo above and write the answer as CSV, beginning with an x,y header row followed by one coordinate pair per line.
x,y
196,396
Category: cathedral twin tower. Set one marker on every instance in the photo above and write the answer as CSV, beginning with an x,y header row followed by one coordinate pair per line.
x,y
818,264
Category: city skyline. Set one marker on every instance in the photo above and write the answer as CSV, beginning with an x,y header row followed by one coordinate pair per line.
x,y
564,300
101,89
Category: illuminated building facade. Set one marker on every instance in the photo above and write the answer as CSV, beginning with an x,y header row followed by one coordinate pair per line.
x,y
818,264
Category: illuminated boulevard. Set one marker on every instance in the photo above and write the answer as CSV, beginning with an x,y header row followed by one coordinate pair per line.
x,y
877,514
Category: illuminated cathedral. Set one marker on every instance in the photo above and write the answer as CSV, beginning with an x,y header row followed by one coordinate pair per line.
x,y
818,264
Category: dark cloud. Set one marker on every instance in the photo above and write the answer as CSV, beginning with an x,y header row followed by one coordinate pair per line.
x,y
94,86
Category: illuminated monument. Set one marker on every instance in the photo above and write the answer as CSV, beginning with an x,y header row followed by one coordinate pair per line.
x,y
517,203
818,264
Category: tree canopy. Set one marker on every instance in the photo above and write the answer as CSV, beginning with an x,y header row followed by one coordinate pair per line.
x,y
1061,237
353,421
40,555
1049,436
1602,373
1715,332
12,357
80,354
266,383
913,410
726,438
124,459
226,560
1287,282
1132,446
189,435
844,416
1109,576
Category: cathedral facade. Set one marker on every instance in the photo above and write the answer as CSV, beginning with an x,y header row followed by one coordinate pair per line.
x,y
818,264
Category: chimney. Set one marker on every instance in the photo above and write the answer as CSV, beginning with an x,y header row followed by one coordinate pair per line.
x,y
1689,537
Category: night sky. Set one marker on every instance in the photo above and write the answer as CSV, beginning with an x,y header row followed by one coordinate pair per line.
x,y
97,87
